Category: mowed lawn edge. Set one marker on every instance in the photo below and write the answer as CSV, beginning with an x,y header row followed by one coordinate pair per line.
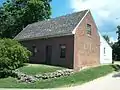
x,y
74,79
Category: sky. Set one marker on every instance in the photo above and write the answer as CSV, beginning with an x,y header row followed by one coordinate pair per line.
x,y
105,12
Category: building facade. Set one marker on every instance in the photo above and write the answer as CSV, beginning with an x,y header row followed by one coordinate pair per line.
x,y
70,41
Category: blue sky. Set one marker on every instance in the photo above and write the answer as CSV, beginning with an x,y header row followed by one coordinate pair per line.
x,y
104,12
1,1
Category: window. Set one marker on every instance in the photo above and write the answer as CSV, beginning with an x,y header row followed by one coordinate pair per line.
x,y
104,50
62,51
34,50
88,29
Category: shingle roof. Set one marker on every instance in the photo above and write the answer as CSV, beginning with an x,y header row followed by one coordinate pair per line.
x,y
60,26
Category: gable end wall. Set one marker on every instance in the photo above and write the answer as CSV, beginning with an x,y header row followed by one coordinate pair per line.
x,y
86,48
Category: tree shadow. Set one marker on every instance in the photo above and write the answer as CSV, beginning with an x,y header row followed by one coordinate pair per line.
x,y
117,69
116,75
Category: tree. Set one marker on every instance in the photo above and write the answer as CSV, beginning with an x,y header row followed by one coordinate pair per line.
x,y
115,52
116,46
17,14
118,33
106,37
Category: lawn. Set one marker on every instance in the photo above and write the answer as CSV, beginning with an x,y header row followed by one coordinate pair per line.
x,y
33,69
74,79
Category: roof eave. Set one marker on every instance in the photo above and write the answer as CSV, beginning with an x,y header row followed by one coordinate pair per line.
x,y
50,36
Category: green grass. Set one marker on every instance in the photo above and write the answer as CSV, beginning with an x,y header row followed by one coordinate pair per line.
x,y
33,69
75,79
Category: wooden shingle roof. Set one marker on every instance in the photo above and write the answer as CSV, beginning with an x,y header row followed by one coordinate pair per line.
x,y
60,26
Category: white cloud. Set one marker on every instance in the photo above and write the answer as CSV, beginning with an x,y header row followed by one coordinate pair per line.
x,y
104,13
102,10
113,40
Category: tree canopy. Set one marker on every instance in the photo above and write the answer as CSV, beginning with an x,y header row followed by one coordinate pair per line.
x,y
17,14
116,46
106,37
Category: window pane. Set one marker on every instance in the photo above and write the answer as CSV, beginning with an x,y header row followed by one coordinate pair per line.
x,y
34,51
88,29
104,50
62,51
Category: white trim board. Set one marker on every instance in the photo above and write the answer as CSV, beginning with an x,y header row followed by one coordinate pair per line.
x,y
73,32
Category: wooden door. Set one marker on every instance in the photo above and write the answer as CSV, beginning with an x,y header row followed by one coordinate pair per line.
x,y
48,54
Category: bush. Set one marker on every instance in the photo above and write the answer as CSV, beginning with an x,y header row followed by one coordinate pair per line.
x,y
12,55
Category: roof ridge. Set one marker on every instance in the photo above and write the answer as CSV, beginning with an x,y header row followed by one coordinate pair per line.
x,y
60,16
70,13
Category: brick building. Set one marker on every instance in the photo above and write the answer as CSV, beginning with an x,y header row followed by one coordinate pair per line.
x,y
70,41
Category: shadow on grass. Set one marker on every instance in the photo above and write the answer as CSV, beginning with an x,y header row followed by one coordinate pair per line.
x,y
57,65
117,69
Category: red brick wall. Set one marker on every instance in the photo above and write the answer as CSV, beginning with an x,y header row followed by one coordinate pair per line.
x,y
86,48
55,43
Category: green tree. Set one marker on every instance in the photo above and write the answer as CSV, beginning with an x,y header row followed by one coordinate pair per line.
x,y
106,37
115,52
118,33
116,46
17,14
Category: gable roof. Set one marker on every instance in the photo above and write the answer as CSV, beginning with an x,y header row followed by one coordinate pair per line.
x,y
60,26
102,39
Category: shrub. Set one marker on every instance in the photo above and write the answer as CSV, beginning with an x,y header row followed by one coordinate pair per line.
x,y
12,55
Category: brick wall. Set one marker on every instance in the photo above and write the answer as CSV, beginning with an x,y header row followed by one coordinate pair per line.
x,y
55,42
86,48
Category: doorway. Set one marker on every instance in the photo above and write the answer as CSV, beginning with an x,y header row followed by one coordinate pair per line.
x,y
48,54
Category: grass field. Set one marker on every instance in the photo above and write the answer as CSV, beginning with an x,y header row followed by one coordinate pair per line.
x,y
33,69
74,79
